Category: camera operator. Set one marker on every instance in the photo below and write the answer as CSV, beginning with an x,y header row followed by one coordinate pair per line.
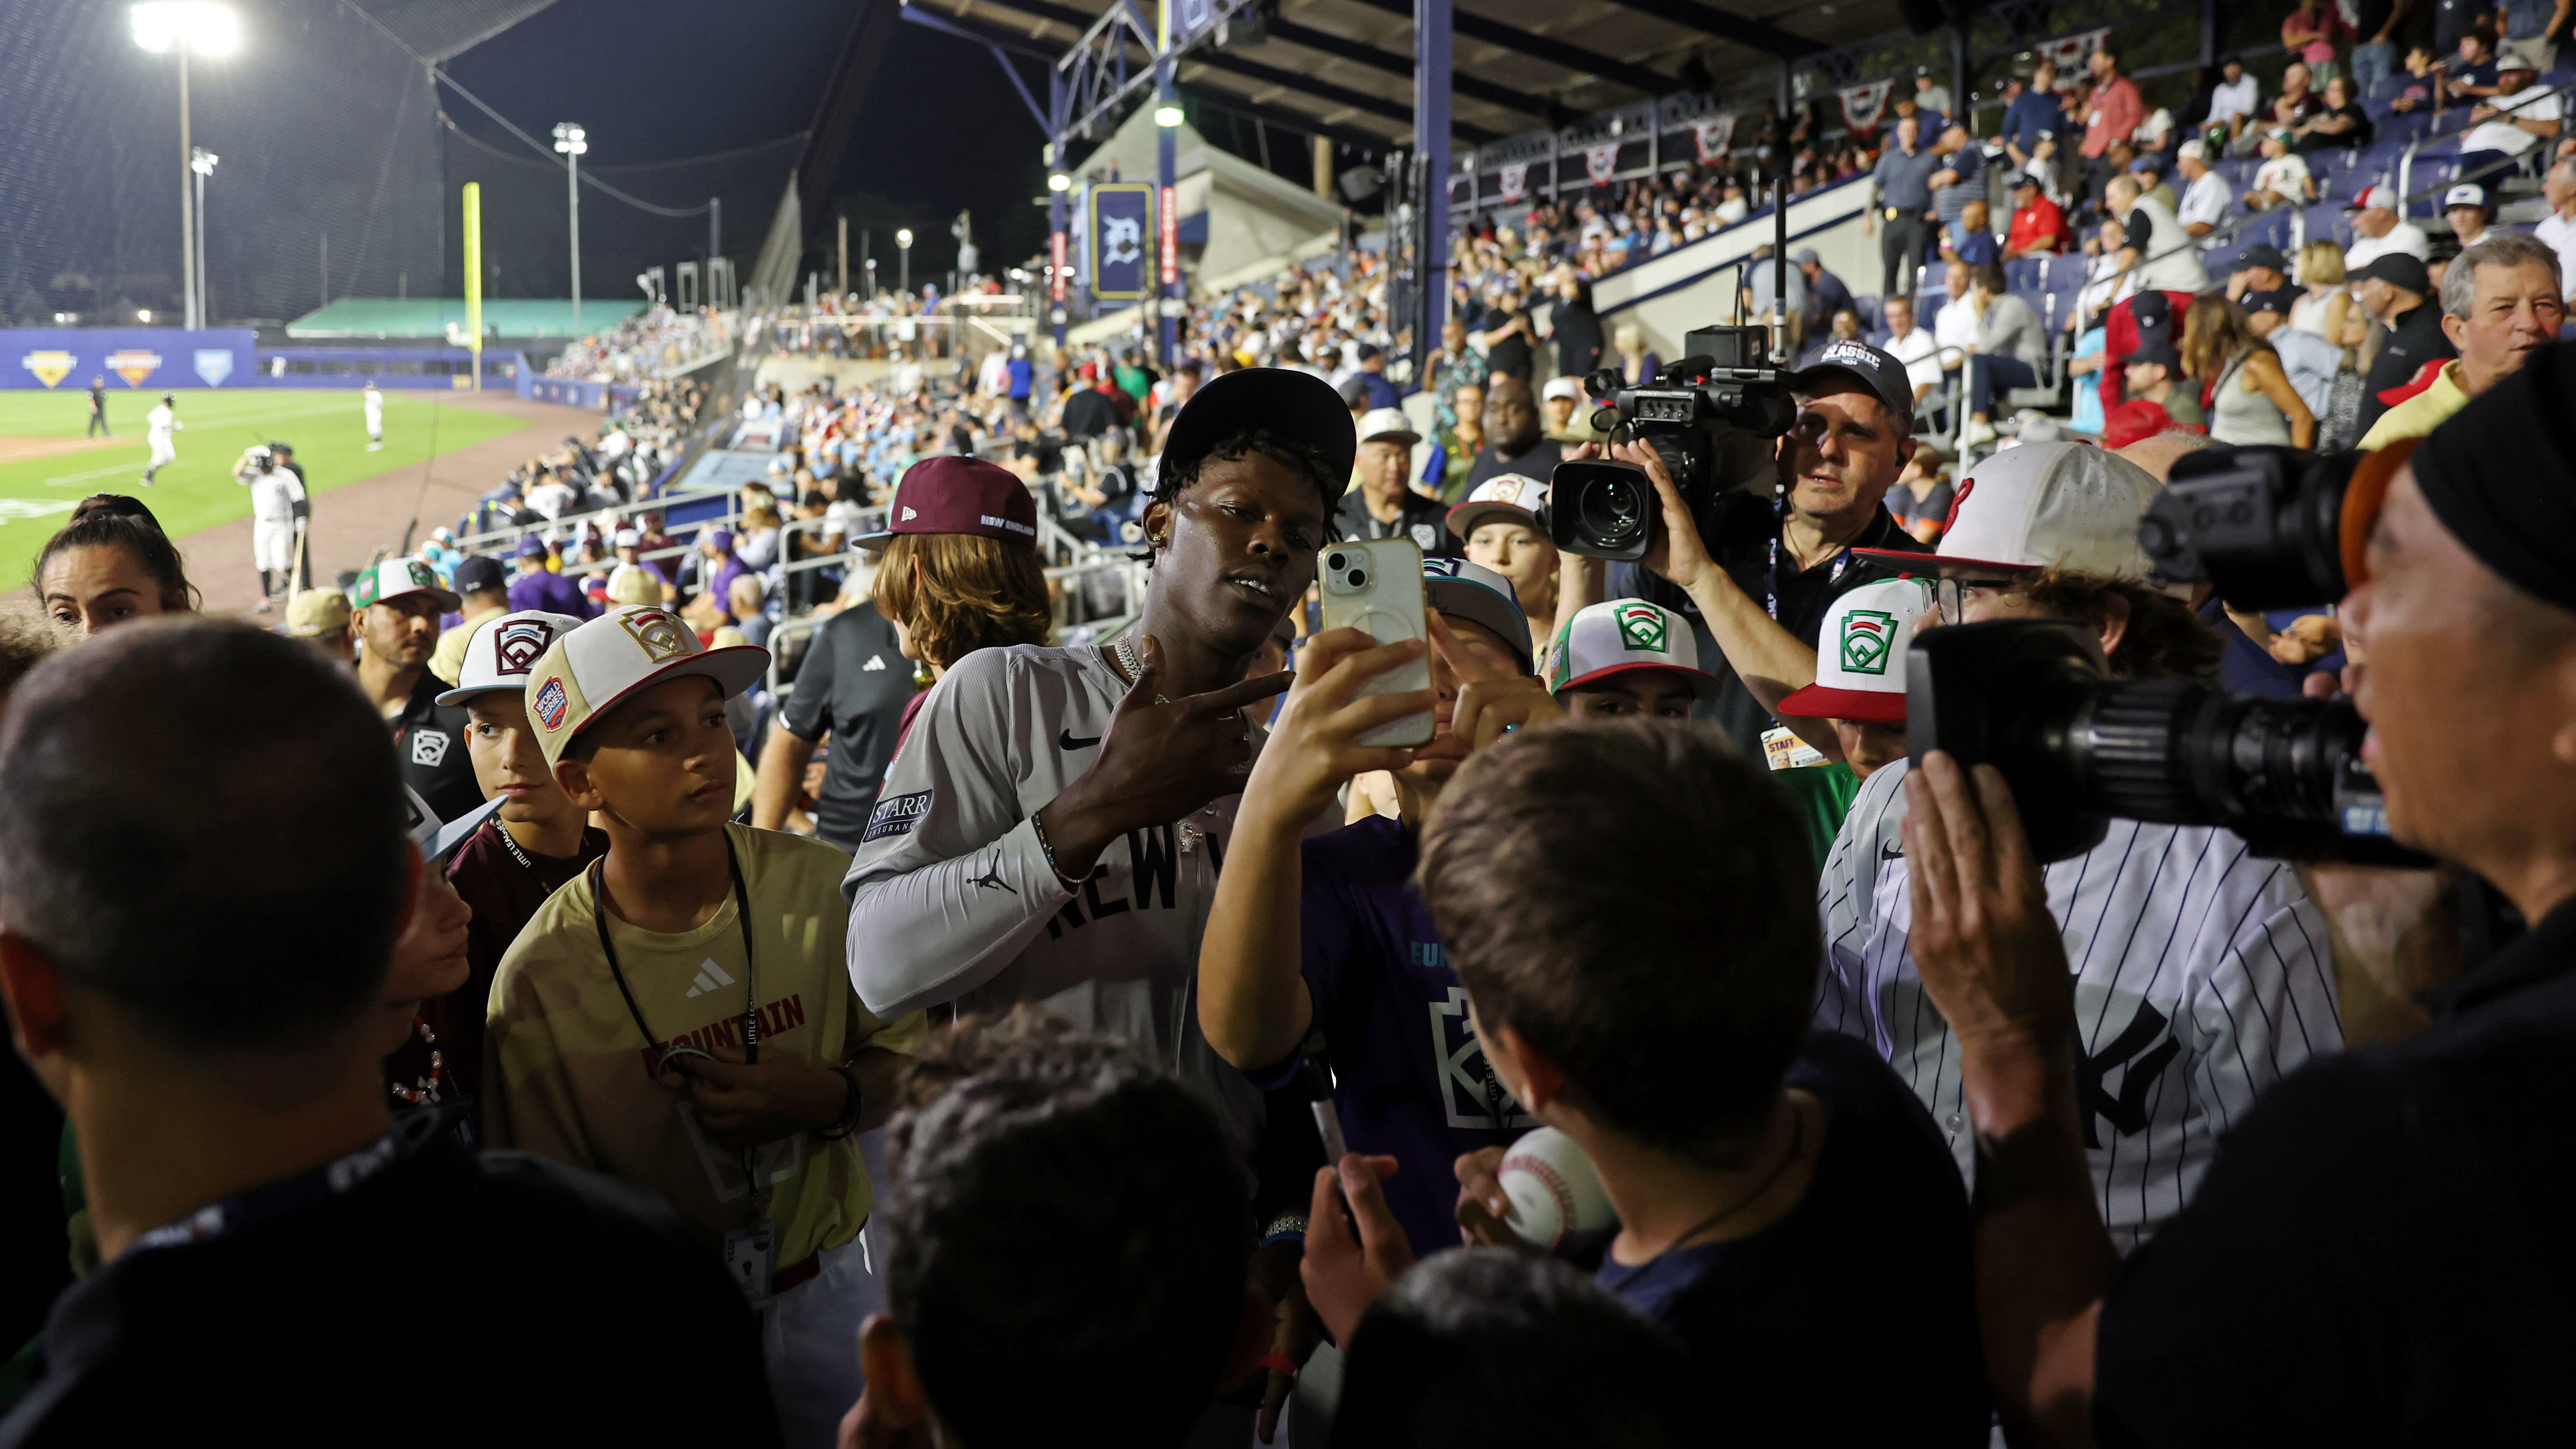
x,y
1757,579
2380,1256
2197,969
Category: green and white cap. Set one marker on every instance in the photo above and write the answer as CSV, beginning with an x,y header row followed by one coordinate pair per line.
x,y
384,582
1621,635
1860,655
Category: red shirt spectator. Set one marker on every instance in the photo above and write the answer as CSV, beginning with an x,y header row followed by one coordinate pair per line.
x,y
2038,226
2125,332
2117,112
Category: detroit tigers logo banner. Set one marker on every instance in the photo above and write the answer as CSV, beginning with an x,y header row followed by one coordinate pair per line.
x,y
1122,217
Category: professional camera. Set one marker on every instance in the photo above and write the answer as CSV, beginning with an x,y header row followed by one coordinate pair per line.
x,y
1724,387
2079,747
2272,528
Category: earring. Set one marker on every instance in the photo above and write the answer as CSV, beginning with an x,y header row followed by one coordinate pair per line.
x,y
1153,540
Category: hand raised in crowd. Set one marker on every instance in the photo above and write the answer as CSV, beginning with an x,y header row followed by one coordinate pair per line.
x,y
1159,761
1983,939
751,1104
1351,1255
1313,745
1676,552
1494,696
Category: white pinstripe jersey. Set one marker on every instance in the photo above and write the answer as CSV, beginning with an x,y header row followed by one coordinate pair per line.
x,y
2201,977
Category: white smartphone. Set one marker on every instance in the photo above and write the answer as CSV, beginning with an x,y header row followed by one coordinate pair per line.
x,y
1375,587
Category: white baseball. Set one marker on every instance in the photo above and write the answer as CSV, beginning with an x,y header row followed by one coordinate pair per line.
x,y
1553,1189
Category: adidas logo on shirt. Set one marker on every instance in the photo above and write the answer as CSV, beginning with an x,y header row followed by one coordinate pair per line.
x,y
710,976
875,661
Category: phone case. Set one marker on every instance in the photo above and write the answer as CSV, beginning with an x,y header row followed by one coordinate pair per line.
x,y
1375,587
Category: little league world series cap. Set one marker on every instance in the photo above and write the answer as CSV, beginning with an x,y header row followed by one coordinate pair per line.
x,y
385,582
2070,506
588,671
950,494
1880,372
1294,405
1860,658
1514,497
1624,635
1462,590
501,651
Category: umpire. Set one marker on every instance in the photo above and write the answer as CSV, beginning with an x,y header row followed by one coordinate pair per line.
x,y
2380,1253
1901,201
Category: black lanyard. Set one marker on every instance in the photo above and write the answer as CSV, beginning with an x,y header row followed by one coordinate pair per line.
x,y
1771,576
750,976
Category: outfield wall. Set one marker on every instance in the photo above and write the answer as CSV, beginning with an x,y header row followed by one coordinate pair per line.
x,y
136,359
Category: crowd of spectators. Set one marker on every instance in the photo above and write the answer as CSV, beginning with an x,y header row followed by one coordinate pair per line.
x,y
649,345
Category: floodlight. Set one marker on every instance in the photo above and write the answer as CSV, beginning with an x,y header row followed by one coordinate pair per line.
x,y
1058,181
200,27
1167,115
143,314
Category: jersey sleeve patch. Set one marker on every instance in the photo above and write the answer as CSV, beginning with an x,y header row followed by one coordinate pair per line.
x,y
897,815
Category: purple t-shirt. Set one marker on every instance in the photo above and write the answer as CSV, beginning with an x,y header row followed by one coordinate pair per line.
x,y
1409,1076
548,591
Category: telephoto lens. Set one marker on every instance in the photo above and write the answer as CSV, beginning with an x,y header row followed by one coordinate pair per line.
x,y
1601,508
2271,528
2034,698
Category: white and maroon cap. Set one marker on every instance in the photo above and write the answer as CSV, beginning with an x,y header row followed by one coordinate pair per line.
x,y
1512,496
501,651
1860,656
1622,635
2067,506
593,669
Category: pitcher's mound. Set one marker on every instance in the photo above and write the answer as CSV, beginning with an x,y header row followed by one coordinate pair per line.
x,y
19,450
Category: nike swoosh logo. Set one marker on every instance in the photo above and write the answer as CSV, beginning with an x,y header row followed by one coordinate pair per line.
x,y
1891,852
1068,740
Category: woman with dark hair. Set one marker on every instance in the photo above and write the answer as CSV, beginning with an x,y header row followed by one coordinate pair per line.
x,y
111,564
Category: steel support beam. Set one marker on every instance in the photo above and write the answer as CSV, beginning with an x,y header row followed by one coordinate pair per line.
x,y
1360,52
1548,48
1322,91
1432,73
1771,40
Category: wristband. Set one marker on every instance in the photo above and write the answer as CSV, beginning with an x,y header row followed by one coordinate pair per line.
x,y
1048,847
854,1105
1283,1227
1277,1363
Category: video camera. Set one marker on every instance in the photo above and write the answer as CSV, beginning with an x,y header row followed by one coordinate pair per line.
x,y
2271,528
1724,386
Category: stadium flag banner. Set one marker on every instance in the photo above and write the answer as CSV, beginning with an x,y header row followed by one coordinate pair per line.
x,y
1122,217
1714,136
1864,104
2070,51
154,358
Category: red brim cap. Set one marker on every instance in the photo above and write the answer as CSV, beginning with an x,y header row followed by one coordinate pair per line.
x,y
1703,685
1866,705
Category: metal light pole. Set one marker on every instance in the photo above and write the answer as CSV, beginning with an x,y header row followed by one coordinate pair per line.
x,y
572,141
189,27
903,244
202,162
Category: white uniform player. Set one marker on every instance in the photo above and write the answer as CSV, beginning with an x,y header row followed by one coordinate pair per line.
x,y
374,403
158,426
951,895
274,493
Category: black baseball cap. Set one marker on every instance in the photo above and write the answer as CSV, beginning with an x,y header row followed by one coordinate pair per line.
x,y
1294,405
2398,269
2262,255
478,573
2157,352
2278,300
1879,371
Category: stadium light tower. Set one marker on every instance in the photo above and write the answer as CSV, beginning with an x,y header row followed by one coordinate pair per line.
x,y
188,27
903,244
572,141
202,162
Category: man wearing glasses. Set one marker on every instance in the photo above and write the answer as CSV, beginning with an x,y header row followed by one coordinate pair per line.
x,y
2201,971
1755,574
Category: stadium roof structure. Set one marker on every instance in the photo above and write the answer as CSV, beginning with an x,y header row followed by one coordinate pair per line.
x,y
430,317
1344,68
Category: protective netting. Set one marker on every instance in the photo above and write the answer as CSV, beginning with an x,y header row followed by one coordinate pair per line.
x,y
327,136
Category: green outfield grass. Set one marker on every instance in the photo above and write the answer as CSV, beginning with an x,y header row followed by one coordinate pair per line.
x,y
327,427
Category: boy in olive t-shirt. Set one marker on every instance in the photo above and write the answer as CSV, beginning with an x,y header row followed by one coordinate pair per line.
x,y
706,1044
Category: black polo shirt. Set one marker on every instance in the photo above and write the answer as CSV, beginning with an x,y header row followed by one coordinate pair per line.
x,y
1424,520
853,686
1538,461
2380,1252
2414,339
429,741
1742,538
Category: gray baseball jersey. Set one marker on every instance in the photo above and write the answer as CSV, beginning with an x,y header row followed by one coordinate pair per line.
x,y
2201,977
952,899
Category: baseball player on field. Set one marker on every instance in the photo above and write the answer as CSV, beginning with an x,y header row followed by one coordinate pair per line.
x,y
374,402
158,425
275,494
2202,974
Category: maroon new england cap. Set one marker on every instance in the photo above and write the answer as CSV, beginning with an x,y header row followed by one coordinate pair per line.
x,y
950,494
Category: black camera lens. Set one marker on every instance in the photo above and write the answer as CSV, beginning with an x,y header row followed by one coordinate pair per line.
x,y
1338,561
2262,524
1612,511
1359,578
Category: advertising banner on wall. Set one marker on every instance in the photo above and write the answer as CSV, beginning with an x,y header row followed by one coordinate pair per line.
x,y
155,359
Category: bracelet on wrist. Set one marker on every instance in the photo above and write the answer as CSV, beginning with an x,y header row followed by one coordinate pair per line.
x,y
1284,1227
1048,847
854,1105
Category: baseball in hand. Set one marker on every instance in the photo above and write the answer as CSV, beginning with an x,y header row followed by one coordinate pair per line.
x,y
1553,1189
